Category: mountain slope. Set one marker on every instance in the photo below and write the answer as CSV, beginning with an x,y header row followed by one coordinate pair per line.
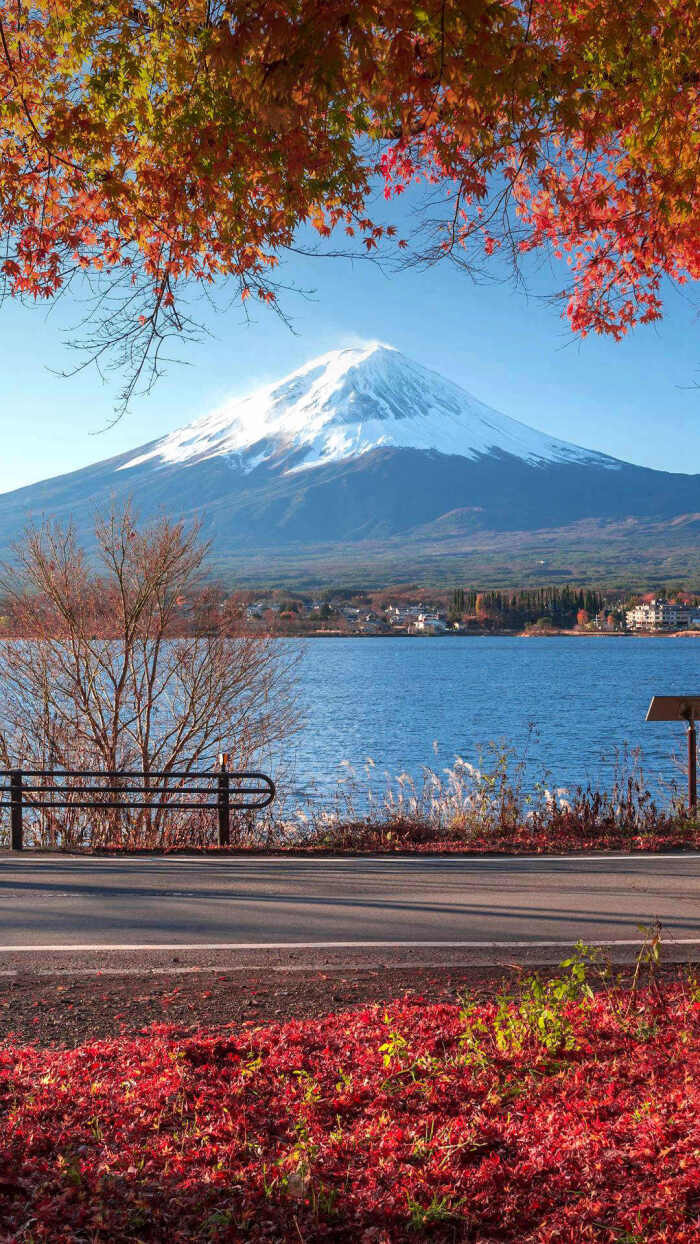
x,y
350,402
365,455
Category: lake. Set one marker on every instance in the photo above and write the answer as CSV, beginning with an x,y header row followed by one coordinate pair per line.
x,y
393,700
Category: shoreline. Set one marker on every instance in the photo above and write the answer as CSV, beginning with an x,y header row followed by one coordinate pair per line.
x,y
478,634
470,634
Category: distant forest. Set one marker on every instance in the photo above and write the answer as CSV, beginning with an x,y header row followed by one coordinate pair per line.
x,y
556,606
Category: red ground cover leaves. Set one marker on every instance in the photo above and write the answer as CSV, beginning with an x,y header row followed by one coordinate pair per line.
x,y
571,1121
527,843
558,832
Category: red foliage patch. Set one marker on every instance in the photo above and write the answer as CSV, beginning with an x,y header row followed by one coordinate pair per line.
x,y
489,1123
562,835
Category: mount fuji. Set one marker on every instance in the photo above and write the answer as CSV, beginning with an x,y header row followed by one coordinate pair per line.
x,y
365,462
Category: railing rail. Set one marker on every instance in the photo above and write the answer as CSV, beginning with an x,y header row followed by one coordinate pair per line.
x,y
224,791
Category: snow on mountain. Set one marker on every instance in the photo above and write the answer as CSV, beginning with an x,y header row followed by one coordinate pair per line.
x,y
347,403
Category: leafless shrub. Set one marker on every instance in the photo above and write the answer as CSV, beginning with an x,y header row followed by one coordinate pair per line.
x,y
100,676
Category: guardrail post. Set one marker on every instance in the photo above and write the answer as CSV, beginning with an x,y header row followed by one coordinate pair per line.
x,y
16,842
223,801
692,766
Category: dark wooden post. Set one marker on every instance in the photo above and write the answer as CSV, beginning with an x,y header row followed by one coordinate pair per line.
x,y
16,810
223,800
692,765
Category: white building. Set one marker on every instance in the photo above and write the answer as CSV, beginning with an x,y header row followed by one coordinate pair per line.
x,y
430,624
659,615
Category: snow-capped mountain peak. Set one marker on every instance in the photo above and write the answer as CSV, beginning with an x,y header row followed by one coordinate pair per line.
x,y
350,402
365,466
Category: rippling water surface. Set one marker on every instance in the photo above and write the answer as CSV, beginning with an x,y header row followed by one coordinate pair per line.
x,y
394,699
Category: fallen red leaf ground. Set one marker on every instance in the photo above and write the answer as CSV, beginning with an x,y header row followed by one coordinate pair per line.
x,y
552,1116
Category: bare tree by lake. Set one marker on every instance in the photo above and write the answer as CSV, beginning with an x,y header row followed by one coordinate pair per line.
x,y
123,662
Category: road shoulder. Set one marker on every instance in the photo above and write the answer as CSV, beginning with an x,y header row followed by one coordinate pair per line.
x,y
67,1007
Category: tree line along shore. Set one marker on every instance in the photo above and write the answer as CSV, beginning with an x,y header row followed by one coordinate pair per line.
x,y
419,611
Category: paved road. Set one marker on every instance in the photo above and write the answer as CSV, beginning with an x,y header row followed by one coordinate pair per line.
x,y
49,905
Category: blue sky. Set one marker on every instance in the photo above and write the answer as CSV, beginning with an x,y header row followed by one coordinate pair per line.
x,y
636,399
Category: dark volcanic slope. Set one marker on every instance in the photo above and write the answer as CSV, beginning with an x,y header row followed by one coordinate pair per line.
x,y
385,492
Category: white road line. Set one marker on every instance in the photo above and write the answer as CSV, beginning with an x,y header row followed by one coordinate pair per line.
x,y
203,969
281,969
121,947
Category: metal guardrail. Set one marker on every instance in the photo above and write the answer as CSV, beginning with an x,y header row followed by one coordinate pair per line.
x,y
45,789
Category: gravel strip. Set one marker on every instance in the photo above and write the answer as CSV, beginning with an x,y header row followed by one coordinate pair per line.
x,y
67,1011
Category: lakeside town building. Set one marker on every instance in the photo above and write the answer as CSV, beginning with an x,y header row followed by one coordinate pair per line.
x,y
365,614
430,624
661,615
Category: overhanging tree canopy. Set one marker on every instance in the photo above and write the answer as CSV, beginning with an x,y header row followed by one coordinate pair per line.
x,y
160,141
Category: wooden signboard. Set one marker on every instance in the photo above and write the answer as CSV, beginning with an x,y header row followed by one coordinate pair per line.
x,y
681,708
